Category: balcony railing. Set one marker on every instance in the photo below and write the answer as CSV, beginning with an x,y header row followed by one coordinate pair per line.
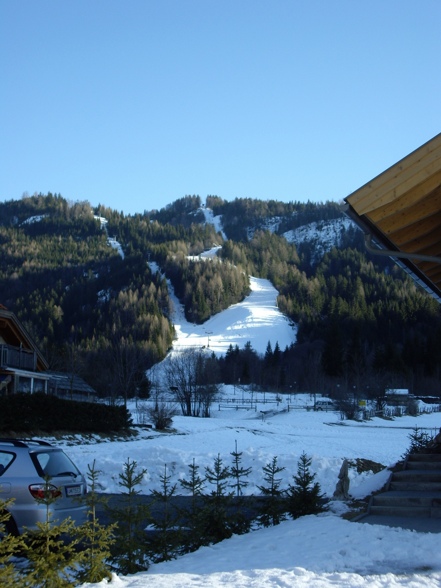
x,y
18,358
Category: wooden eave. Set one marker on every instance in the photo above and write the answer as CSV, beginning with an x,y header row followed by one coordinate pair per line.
x,y
401,209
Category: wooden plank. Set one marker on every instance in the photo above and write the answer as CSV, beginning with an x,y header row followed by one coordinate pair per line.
x,y
426,160
431,270
420,229
404,182
423,190
414,158
427,243
406,218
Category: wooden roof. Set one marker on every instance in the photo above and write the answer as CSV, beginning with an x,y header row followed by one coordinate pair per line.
x,y
401,210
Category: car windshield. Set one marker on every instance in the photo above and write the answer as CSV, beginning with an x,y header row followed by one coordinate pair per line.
x,y
54,463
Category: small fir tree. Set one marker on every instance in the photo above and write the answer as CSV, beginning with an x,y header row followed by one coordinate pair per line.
x,y
195,485
11,546
304,496
95,539
239,474
129,551
53,558
271,508
166,544
216,503
419,442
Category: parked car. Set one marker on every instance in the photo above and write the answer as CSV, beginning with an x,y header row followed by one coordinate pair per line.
x,y
28,468
325,404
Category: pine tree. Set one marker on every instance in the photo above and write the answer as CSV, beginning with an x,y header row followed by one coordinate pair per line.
x,y
52,554
194,521
216,522
419,441
167,540
239,473
129,550
11,546
95,539
239,520
271,509
304,497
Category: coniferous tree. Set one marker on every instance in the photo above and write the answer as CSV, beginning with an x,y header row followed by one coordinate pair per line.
x,y
272,504
239,474
419,442
304,496
129,552
11,546
166,544
194,518
217,502
52,561
95,539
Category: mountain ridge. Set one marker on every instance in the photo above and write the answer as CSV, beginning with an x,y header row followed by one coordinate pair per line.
x,y
359,319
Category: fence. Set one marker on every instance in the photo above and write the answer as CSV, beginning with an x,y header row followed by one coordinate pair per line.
x,y
249,406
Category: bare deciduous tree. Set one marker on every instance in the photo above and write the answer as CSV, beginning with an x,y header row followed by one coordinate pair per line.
x,y
190,376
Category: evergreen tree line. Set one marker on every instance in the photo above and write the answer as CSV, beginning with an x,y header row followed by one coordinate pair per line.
x,y
87,306
310,368
217,510
359,318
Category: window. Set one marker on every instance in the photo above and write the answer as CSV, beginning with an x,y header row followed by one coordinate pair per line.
x,y
53,463
6,458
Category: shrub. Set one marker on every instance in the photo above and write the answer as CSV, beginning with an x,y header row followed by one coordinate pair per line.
x,y
161,416
40,412
419,441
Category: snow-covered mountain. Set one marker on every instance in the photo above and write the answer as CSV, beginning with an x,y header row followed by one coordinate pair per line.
x,y
321,235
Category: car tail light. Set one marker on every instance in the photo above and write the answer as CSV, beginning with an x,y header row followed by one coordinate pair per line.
x,y
44,491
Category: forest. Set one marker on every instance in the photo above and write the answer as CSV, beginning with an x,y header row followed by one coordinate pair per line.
x,y
362,323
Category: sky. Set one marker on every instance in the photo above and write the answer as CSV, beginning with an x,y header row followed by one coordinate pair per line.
x,y
136,104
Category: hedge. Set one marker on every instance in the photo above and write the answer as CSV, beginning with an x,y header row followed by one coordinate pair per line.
x,y
25,413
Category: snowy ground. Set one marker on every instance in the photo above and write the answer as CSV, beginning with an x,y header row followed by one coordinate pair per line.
x,y
321,551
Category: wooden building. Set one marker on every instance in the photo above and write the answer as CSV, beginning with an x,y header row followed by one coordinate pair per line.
x,y
400,214
22,365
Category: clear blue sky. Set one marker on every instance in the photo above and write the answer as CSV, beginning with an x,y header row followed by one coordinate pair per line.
x,y
136,103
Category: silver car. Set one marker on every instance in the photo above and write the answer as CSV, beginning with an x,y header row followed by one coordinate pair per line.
x,y
28,467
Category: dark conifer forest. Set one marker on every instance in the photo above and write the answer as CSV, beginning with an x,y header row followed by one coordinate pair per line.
x,y
362,323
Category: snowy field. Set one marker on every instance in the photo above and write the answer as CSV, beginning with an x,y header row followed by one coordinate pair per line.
x,y
318,551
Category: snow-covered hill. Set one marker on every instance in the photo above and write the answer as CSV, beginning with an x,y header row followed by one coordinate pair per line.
x,y
256,320
323,235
